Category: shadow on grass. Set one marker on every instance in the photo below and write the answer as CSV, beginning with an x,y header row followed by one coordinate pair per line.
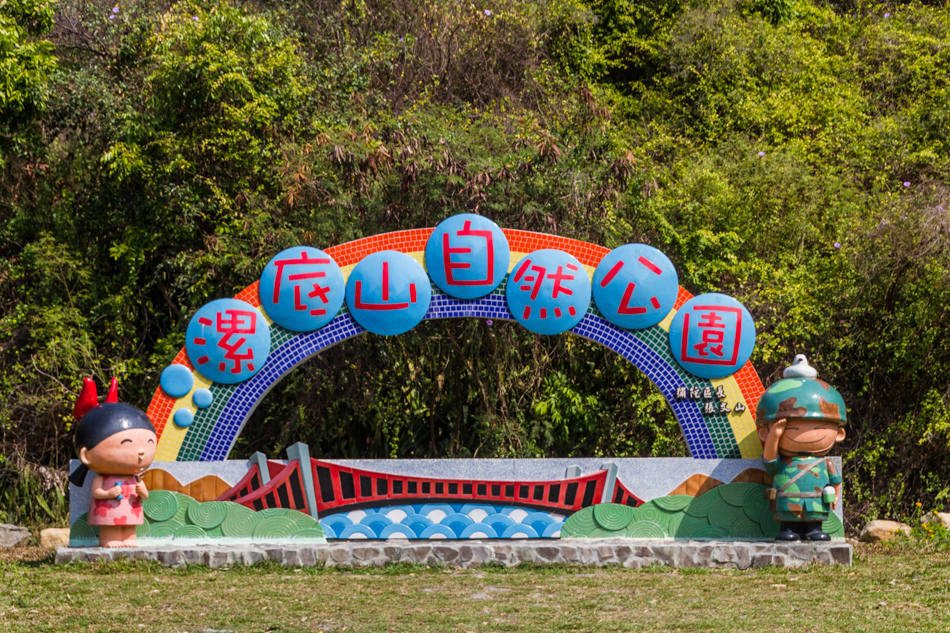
x,y
28,557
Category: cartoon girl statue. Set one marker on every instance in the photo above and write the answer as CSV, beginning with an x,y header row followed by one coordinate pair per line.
x,y
117,442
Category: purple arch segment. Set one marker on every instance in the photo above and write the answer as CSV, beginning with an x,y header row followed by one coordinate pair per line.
x,y
594,327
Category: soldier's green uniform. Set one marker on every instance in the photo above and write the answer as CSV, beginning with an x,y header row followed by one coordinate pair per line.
x,y
806,405
792,507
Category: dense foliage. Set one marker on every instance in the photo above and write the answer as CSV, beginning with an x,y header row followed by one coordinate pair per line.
x,y
793,154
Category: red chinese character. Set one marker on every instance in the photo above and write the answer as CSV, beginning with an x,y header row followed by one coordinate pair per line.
x,y
450,266
625,307
558,277
713,335
318,290
235,322
362,305
541,273
713,331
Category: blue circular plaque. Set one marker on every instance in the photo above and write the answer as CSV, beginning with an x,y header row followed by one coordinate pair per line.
x,y
635,286
548,292
228,341
712,336
388,293
467,256
302,289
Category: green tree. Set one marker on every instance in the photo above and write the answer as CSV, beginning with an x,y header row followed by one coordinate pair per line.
x,y
25,61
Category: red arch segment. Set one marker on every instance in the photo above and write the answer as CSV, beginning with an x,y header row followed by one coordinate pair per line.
x,y
623,496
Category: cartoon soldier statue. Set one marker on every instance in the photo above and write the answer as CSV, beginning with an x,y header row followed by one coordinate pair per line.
x,y
800,419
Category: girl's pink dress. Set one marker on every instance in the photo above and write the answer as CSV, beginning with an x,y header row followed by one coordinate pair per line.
x,y
125,511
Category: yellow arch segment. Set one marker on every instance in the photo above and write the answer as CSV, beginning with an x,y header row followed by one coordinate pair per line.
x,y
743,424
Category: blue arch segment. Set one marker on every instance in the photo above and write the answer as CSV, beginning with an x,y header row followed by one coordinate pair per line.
x,y
298,349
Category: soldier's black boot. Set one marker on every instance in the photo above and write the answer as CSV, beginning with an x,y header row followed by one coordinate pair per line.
x,y
787,534
813,533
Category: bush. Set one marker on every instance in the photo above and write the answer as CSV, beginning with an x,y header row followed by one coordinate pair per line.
x,y
32,496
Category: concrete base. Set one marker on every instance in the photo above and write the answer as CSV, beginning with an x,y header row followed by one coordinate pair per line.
x,y
628,553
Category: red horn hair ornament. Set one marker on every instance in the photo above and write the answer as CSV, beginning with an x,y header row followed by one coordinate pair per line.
x,y
88,399
113,391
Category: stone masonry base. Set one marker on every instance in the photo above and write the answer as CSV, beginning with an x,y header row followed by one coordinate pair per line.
x,y
632,554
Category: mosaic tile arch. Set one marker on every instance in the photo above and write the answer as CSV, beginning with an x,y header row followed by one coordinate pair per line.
x,y
715,415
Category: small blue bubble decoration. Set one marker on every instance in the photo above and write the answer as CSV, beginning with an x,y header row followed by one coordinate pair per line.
x,y
302,289
635,286
202,398
388,293
228,341
712,336
548,292
467,256
183,418
176,380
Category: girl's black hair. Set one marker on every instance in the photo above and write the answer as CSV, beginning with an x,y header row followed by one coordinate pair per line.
x,y
105,421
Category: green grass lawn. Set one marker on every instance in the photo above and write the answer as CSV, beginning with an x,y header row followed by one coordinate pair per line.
x,y
883,591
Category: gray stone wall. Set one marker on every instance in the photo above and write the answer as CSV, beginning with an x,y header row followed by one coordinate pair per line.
x,y
467,554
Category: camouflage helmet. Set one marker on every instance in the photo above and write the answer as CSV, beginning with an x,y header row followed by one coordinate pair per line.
x,y
801,399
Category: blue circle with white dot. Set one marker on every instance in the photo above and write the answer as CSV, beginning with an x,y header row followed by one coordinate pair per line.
x,y
177,380
202,398
184,418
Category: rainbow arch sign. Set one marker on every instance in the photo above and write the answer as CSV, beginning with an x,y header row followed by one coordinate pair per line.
x,y
694,349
